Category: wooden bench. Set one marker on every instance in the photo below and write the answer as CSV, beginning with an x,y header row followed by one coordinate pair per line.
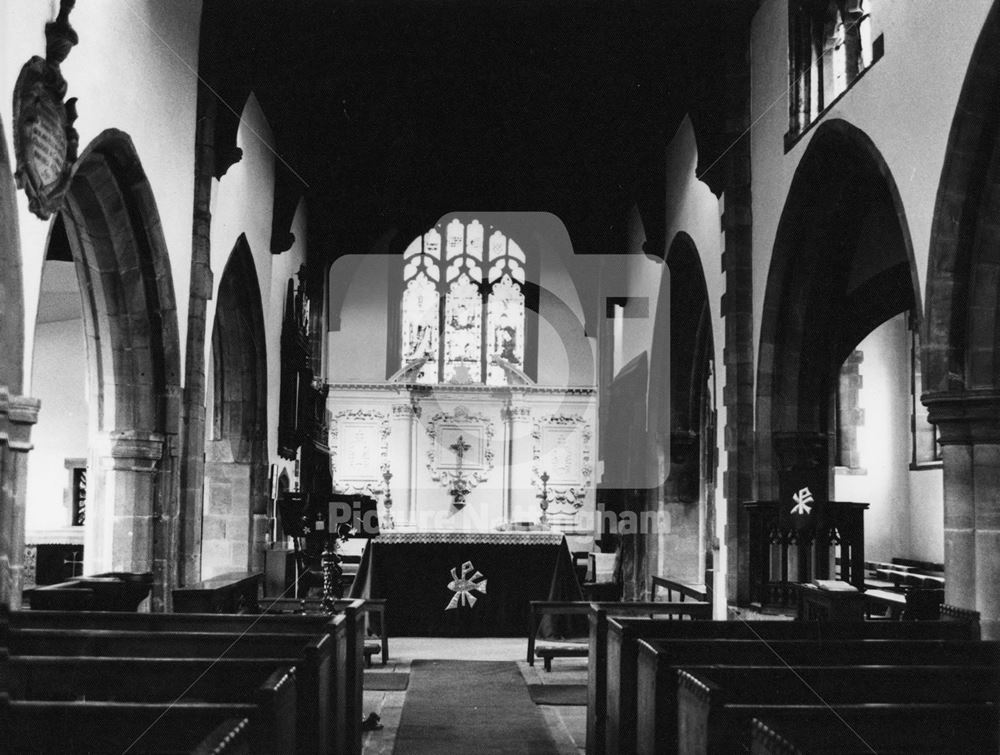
x,y
112,591
279,616
373,608
677,591
231,737
163,680
659,660
895,728
234,592
618,638
46,726
608,664
191,654
716,704
264,640
549,649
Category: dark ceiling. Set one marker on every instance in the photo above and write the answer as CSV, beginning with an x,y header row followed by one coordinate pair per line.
x,y
389,113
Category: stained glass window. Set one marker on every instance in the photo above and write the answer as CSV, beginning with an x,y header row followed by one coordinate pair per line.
x,y
463,309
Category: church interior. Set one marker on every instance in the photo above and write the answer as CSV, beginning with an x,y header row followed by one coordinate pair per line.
x,y
349,348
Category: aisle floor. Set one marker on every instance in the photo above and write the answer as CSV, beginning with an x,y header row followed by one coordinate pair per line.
x,y
567,723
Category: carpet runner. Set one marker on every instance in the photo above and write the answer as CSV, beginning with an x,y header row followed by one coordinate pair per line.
x,y
470,707
386,681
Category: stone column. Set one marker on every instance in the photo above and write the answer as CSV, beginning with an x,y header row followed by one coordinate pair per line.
x,y
969,426
520,493
681,542
17,415
402,447
124,506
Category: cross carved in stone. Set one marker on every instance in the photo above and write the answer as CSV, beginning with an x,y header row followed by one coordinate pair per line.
x,y
460,447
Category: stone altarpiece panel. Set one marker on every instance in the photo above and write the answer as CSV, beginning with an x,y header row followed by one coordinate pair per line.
x,y
468,457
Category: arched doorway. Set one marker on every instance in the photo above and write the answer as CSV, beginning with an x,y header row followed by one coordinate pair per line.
x,y
842,266
234,517
130,324
682,359
960,357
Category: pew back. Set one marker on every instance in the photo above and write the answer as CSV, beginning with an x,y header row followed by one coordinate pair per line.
x,y
612,679
715,704
77,726
658,660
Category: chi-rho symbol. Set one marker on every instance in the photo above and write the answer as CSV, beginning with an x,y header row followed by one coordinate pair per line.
x,y
463,586
801,498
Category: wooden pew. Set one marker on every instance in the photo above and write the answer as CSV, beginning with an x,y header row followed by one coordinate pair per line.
x,y
318,657
234,592
374,608
656,716
892,728
547,650
346,677
716,704
112,591
231,737
287,617
618,638
606,662
78,726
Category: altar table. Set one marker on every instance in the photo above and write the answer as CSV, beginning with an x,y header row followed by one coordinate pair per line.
x,y
464,584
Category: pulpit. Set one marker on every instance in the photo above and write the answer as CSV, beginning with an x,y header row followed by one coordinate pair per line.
x,y
783,554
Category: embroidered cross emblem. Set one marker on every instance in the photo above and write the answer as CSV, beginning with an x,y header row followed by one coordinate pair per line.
x,y
801,498
75,560
464,585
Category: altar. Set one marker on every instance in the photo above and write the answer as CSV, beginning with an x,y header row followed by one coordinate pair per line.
x,y
464,584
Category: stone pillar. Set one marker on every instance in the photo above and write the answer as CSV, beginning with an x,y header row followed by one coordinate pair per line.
x,y
680,542
402,447
520,483
17,415
969,426
124,506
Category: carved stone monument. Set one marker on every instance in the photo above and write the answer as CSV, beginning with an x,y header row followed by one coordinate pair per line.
x,y
45,142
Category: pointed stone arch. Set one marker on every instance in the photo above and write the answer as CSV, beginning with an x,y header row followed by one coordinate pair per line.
x,y
133,347
961,335
842,265
234,524
684,426
822,295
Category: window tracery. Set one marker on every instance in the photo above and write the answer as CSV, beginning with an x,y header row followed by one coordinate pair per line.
x,y
463,305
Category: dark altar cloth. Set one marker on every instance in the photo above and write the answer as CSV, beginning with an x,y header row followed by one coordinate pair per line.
x,y
413,570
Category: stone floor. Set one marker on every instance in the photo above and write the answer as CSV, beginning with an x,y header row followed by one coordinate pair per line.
x,y
567,723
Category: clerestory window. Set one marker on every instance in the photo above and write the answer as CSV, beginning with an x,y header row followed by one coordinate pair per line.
x,y
462,307
830,46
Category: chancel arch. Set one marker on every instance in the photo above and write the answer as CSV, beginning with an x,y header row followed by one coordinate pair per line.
x,y
132,345
841,270
960,335
234,517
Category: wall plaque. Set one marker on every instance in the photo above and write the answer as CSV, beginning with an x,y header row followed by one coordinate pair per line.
x,y
45,142
359,451
561,450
